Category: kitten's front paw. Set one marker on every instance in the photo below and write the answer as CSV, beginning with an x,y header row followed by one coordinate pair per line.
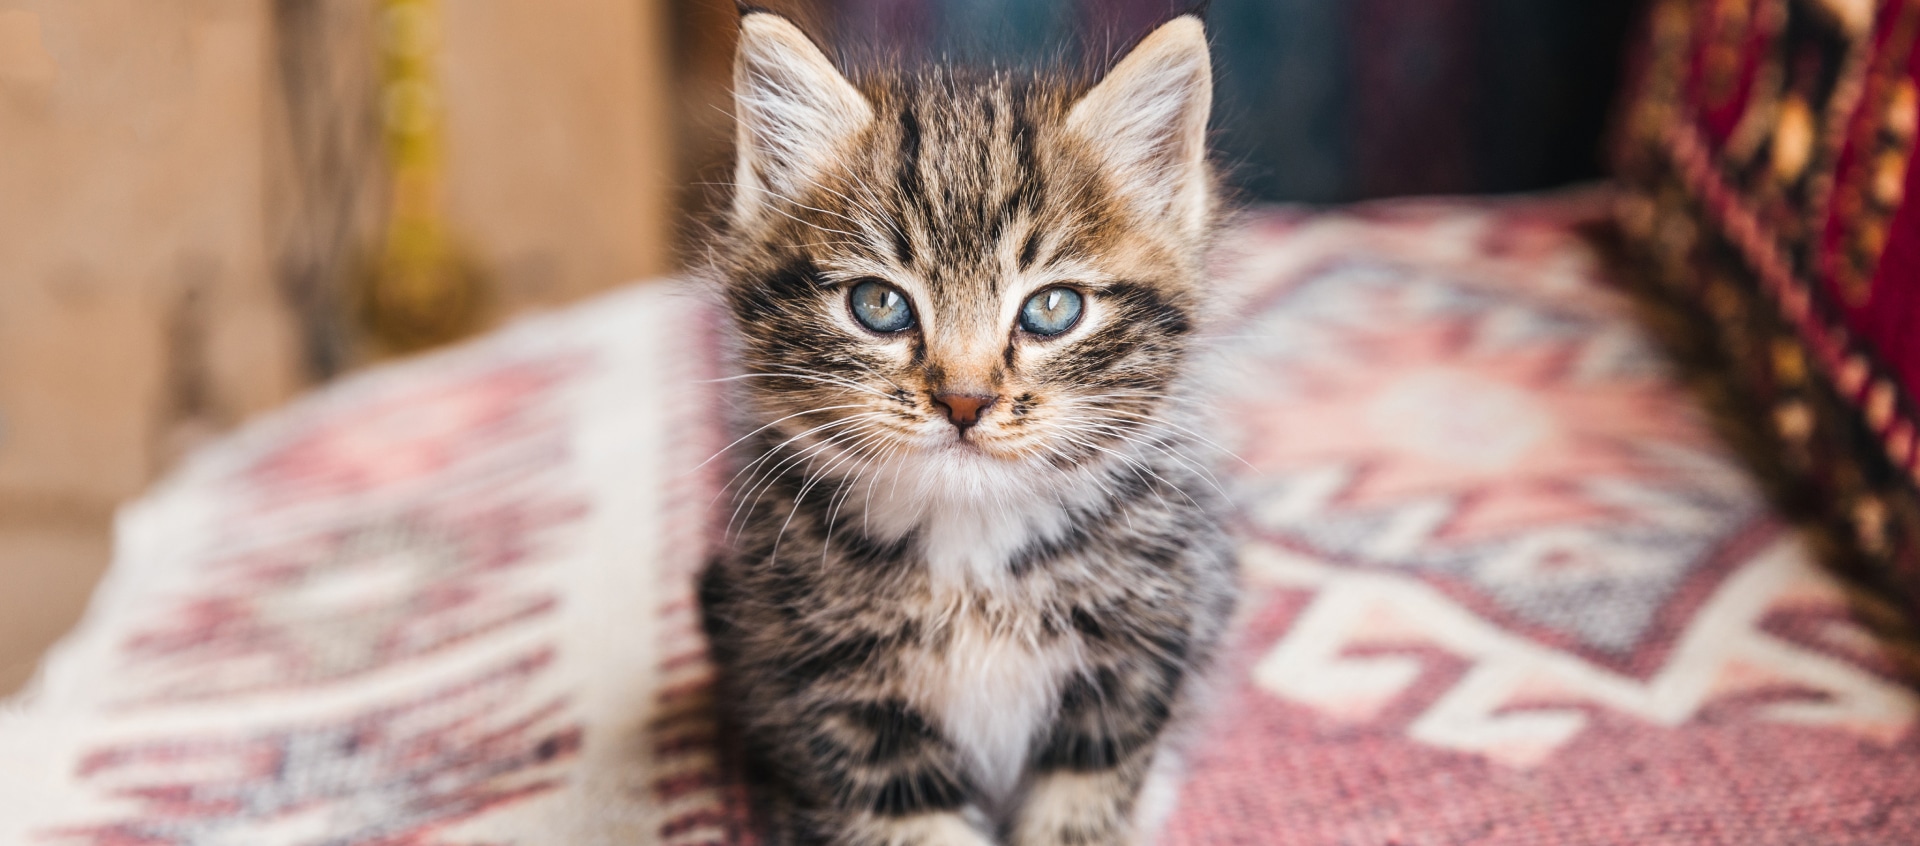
x,y
940,829
1083,809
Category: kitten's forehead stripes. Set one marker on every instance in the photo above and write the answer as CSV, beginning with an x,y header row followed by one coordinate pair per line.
x,y
909,185
1029,250
968,180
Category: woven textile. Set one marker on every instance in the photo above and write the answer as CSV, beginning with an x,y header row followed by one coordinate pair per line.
x,y
1768,145
444,603
1501,587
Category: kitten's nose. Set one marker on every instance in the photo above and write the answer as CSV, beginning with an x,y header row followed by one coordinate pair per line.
x,y
963,410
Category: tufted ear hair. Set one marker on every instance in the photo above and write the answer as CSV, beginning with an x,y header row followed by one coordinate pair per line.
x,y
1147,121
793,110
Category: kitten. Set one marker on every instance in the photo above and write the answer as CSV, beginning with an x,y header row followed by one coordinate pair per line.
x,y
976,569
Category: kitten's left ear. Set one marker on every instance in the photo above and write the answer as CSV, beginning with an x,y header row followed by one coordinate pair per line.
x,y
1147,120
794,111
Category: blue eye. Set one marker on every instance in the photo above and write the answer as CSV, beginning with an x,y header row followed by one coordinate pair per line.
x,y
881,307
1051,311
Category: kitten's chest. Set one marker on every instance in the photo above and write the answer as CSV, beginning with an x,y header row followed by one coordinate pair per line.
x,y
993,682
993,664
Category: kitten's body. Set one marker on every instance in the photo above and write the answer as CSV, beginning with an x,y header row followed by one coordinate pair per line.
x,y
947,629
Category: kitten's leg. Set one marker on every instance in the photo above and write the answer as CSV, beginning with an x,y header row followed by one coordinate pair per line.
x,y
1088,772
875,773
936,829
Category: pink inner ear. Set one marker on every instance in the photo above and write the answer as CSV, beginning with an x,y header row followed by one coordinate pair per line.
x,y
794,107
1148,119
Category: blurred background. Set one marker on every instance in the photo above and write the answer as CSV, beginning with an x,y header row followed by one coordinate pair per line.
x,y
209,206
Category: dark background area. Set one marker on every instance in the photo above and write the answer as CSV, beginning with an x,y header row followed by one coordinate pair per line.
x,y
1319,101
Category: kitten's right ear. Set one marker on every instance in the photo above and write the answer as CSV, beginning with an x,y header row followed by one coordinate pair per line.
x,y
793,109
1147,120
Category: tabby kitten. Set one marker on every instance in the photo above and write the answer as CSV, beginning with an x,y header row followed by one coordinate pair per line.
x,y
976,565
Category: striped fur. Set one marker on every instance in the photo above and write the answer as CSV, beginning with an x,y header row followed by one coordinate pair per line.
x,y
945,635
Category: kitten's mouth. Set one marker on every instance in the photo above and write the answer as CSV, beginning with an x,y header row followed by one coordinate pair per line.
x,y
968,443
961,442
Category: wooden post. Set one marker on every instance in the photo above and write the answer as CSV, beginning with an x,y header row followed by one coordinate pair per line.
x,y
174,228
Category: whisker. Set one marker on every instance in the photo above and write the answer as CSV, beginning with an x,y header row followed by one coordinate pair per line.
x,y
1205,474
864,368
807,486
1162,421
866,514
829,424
766,472
807,377
1140,470
758,490
723,450
854,452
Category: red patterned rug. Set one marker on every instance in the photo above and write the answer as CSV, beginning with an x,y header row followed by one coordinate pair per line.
x,y
1502,587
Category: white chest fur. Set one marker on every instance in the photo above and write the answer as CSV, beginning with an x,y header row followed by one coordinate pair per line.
x,y
993,689
995,680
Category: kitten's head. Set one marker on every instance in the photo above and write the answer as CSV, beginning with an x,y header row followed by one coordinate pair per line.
x,y
981,269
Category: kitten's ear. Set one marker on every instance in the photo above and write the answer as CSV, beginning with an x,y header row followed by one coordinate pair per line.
x,y
793,109
1147,120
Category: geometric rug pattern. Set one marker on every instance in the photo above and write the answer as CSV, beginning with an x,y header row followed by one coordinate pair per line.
x,y
1503,585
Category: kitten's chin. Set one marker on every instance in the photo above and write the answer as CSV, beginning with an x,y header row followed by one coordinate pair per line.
x,y
977,449
958,473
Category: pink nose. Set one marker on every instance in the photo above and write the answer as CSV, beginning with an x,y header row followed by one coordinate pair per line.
x,y
963,410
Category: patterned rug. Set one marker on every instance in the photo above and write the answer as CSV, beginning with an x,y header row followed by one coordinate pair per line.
x,y
1502,587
